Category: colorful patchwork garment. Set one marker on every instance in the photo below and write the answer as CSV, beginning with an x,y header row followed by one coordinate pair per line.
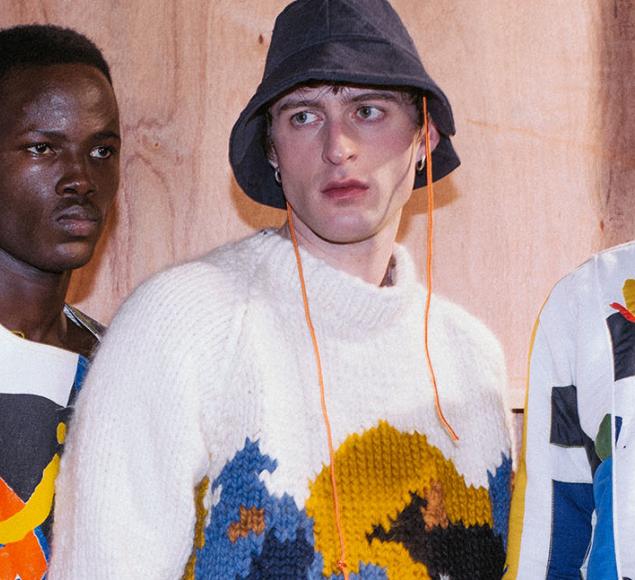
x,y
573,513
199,447
37,385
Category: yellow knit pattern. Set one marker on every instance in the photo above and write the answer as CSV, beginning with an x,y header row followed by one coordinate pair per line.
x,y
377,472
200,493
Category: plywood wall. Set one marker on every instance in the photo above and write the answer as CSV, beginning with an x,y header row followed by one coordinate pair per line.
x,y
543,98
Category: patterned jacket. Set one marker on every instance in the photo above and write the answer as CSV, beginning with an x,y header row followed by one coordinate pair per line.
x,y
573,512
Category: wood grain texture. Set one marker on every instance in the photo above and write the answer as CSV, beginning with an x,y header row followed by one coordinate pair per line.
x,y
616,109
543,99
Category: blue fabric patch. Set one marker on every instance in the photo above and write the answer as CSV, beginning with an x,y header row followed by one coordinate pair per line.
x,y
44,545
623,342
566,430
602,565
572,506
500,496
80,374
618,427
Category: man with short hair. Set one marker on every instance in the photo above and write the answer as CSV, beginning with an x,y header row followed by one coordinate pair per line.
x,y
59,172
276,418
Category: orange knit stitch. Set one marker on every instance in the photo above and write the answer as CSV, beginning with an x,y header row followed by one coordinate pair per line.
x,y
251,520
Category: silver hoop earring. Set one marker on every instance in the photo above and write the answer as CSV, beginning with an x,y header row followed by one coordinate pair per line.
x,y
420,165
277,176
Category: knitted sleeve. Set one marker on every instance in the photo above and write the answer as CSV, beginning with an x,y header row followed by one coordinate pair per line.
x,y
136,447
550,523
474,348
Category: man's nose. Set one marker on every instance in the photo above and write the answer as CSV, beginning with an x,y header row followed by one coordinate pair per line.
x,y
339,144
76,177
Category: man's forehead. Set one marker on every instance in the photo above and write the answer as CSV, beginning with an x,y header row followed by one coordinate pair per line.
x,y
55,98
315,92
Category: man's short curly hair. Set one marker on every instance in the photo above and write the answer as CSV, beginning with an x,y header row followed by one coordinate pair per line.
x,y
45,44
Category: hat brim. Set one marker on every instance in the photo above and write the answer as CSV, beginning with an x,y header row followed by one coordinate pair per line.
x,y
247,148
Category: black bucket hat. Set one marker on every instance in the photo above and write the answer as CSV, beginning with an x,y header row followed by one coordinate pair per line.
x,y
362,42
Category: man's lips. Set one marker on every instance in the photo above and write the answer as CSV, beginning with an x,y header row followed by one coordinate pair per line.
x,y
79,220
344,189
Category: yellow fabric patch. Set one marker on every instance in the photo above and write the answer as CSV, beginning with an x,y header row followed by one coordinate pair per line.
x,y
61,433
629,294
377,473
35,510
519,485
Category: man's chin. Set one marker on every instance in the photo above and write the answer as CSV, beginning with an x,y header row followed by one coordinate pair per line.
x,y
346,235
71,258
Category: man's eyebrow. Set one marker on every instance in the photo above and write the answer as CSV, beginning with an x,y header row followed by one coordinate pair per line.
x,y
294,103
107,135
297,103
60,134
45,133
372,96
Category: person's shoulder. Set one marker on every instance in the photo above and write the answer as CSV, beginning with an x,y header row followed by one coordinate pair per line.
x,y
223,270
240,256
586,283
212,285
616,254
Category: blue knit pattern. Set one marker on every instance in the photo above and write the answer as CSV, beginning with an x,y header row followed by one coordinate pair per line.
x,y
284,549
500,491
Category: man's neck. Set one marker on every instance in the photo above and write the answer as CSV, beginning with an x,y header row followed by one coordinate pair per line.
x,y
369,259
32,301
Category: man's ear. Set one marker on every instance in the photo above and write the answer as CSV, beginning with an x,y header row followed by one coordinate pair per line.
x,y
435,137
272,156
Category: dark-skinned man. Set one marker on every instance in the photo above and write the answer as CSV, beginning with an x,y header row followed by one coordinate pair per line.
x,y
59,172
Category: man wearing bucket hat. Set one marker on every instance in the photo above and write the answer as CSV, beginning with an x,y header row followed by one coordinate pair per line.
x,y
280,416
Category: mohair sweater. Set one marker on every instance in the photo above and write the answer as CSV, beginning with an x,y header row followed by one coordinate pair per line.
x,y
199,449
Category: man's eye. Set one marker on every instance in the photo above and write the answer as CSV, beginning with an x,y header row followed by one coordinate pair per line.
x,y
39,148
303,118
101,152
369,112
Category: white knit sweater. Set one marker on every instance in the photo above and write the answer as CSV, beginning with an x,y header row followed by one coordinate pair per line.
x,y
208,371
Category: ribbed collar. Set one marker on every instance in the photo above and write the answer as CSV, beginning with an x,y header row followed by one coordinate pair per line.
x,y
340,303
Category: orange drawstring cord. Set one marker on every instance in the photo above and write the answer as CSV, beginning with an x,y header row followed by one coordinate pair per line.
x,y
341,564
433,378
